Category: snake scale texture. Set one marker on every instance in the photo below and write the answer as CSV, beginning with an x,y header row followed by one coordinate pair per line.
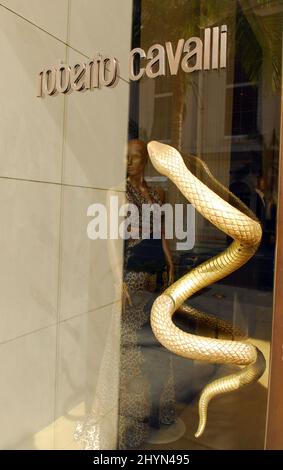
x,y
246,233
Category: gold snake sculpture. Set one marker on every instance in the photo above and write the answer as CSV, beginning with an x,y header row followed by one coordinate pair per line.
x,y
246,232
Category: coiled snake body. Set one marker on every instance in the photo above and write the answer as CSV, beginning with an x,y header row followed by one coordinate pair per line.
x,y
246,233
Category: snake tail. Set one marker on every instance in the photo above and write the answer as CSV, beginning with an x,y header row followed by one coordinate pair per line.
x,y
247,375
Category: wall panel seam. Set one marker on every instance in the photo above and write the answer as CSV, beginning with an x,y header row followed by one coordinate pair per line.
x,y
53,36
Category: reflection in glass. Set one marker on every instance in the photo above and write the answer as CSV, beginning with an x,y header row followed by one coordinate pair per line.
x,y
230,119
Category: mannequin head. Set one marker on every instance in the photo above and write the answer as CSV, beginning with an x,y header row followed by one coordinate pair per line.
x,y
137,158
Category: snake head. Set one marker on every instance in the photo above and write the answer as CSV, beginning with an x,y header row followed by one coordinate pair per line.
x,y
164,157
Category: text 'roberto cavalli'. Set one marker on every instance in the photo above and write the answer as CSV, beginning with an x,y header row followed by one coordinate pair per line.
x,y
208,52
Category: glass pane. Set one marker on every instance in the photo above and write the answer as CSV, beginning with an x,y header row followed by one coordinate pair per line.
x,y
220,109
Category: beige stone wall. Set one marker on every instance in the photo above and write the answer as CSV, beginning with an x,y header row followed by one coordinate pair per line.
x,y
59,295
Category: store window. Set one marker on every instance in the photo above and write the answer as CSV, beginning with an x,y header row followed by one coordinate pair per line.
x,y
222,114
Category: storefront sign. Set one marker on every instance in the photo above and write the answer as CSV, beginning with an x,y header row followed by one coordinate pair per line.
x,y
100,71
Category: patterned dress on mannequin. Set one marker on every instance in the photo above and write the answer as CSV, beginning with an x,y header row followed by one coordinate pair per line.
x,y
147,396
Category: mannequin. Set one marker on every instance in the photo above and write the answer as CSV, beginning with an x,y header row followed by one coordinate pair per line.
x,y
137,160
147,398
